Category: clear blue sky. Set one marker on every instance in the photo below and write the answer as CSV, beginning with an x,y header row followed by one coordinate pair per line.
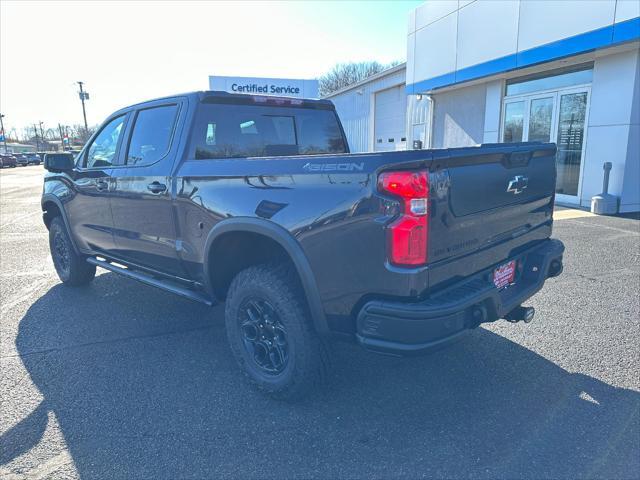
x,y
128,52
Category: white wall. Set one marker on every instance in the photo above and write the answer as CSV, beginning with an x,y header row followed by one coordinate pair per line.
x,y
458,117
480,37
493,109
612,133
561,19
631,183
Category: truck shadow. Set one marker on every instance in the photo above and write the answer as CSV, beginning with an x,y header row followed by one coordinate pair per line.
x,y
142,385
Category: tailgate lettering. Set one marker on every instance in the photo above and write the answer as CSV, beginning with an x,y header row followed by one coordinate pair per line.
x,y
334,167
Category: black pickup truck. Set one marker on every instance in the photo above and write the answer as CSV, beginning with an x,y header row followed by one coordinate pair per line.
x,y
256,201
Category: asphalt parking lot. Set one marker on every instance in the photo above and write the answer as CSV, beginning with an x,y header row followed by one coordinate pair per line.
x,y
120,380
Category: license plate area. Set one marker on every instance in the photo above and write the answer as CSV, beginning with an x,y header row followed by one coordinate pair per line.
x,y
504,275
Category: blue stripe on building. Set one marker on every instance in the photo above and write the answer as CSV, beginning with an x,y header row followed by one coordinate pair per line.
x,y
621,32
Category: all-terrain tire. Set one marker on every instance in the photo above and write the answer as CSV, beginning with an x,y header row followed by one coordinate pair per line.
x,y
72,268
274,290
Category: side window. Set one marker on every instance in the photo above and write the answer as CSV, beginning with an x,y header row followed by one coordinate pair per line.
x,y
102,151
151,135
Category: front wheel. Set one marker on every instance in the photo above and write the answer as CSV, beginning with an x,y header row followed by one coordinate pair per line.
x,y
271,334
72,268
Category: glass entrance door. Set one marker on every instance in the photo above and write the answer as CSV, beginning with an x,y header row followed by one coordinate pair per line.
x,y
540,119
570,140
556,116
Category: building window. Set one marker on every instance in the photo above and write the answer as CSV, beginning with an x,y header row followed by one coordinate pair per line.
x,y
550,80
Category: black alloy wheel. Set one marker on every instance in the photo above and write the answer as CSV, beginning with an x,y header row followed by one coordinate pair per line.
x,y
271,332
71,267
61,254
264,336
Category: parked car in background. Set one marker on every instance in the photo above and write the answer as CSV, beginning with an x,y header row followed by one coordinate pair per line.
x,y
21,159
33,158
41,155
73,152
7,160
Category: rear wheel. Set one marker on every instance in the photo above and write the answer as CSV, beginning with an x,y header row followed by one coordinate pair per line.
x,y
271,334
72,268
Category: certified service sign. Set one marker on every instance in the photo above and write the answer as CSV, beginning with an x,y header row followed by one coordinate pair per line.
x,y
282,87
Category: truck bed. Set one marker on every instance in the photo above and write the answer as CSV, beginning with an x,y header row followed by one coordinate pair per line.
x,y
332,206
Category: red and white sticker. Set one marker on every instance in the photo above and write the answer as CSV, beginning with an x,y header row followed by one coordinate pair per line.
x,y
504,274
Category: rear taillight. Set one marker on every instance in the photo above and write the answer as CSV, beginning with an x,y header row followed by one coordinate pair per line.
x,y
408,234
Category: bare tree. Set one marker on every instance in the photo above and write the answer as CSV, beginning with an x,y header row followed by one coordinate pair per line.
x,y
344,74
81,133
29,134
13,136
51,134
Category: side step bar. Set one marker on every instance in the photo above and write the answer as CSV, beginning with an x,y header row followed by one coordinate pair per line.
x,y
154,282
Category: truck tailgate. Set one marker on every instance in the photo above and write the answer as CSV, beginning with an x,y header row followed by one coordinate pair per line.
x,y
488,203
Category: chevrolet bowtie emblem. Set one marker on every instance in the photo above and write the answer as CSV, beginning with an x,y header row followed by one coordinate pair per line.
x,y
518,184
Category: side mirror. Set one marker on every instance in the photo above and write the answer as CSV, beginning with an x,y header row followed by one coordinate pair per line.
x,y
59,162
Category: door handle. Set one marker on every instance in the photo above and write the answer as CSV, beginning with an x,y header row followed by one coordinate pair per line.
x,y
102,185
156,187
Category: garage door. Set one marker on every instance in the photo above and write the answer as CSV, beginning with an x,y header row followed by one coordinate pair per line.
x,y
390,119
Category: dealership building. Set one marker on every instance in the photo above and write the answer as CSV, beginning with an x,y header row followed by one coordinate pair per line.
x,y
489,71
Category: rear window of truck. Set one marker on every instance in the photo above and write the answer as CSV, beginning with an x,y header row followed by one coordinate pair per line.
x,y
228,131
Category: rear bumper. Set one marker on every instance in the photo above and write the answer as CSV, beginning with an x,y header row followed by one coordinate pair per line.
x,y
411,328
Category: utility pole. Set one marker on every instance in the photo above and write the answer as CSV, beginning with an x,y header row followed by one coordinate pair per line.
x,y
35,130
4,134
44,145
61,137
84,96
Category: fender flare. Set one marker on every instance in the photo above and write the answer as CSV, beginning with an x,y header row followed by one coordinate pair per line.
x,y
281,236
49,197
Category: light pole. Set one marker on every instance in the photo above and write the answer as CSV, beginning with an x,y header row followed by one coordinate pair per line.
x,y
61,137
35,130
84,96
42,136
4,134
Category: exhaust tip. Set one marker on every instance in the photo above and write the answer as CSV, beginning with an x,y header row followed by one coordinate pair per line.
x,y
555,268
529,312
478,315
521,314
